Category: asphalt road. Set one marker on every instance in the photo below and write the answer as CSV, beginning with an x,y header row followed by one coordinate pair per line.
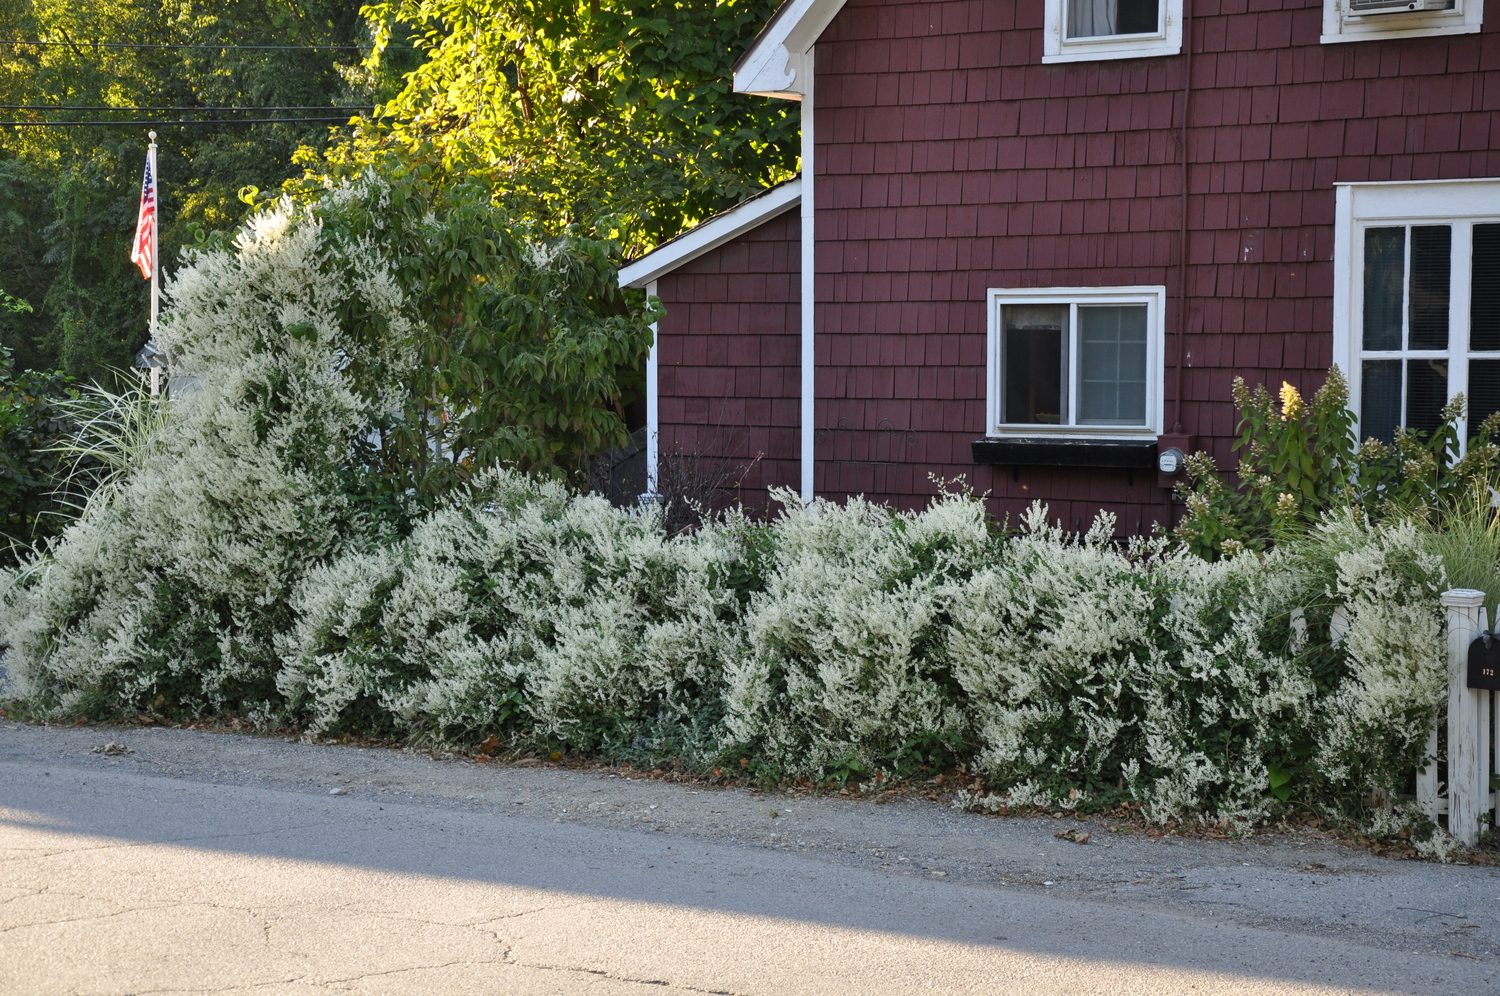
x,y
203,863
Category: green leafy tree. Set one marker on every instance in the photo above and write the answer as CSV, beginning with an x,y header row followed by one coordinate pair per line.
x,y
34,419
528,352
68,196
618,115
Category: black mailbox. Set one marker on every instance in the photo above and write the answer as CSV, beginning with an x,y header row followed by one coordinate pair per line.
x,y
1484,662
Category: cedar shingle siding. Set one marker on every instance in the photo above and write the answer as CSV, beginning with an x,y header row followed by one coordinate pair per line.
x,y
727,358
950,160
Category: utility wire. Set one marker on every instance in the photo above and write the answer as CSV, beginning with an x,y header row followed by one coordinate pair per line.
x,y
213,48
109,107
163,124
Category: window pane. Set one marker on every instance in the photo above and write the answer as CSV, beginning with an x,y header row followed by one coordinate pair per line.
x,y
1431,263
1484,392
1426,393
1093,18
1090,18
1033,357
1380,399
1112,365
1385,275
1138,17
1484,290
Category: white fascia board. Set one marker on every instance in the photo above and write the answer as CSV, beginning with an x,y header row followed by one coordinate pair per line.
x,y
775,65
711,234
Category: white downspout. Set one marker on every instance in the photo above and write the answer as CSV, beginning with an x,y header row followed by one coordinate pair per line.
x,y
809,301
653,406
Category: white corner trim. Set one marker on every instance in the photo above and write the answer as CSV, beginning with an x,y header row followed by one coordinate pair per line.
x,y
1467,17
776,63
653,402
711,234
1343,283
809,299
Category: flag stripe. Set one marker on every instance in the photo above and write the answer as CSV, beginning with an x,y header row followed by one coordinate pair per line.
x,y
144,252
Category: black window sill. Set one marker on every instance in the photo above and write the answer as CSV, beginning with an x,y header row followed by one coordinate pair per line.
x,y
1043,451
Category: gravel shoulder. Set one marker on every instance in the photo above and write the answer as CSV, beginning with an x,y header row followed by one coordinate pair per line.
x,y
1298,884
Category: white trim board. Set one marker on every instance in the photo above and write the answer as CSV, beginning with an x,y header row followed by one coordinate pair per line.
x,y
776,64
712,234
653,404
1400,203
1154,296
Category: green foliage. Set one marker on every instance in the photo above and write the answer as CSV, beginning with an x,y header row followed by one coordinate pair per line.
x,y
34,418
617,115
68,196
1299,462
527,350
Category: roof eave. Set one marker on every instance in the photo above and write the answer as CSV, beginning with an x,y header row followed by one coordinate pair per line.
x,y
712,234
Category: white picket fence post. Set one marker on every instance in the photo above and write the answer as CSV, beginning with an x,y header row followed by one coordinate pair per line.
x,y
1469,795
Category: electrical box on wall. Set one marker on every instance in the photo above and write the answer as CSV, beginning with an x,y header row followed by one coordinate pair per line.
x,y
1172,450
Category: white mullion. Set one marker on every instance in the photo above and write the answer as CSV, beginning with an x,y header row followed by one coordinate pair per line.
x,y
1460,282
1405,316
1072,346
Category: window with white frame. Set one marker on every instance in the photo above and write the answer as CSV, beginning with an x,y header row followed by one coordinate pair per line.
x,y
1075,361
1079,30
1366,20
1417,302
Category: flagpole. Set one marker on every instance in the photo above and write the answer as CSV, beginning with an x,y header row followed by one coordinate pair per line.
x,y
155,253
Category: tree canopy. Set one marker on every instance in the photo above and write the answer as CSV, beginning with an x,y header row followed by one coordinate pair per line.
x,y
618,116
68,195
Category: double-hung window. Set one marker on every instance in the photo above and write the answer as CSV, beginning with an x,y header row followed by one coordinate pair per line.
x,y
1417,302
1079,30
1075,362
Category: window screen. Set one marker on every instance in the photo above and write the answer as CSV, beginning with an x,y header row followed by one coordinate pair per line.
x,y
1380,399
1484,392
1484,290
1431,255
1407,293
1385,281
1112,364
1426,393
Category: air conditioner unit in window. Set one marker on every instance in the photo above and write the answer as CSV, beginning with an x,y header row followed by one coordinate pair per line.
x,y
1364,8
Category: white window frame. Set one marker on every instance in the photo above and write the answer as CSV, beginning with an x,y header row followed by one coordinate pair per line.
x,y
1359,206
1056,47
1154,298
1466,17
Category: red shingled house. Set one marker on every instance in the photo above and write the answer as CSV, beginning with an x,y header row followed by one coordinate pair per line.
x,y
1035,240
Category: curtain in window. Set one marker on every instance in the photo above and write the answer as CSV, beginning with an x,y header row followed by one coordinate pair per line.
x,y
1091,18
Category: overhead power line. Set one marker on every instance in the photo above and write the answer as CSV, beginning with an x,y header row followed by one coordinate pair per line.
x,y
110,107
213,48
227,122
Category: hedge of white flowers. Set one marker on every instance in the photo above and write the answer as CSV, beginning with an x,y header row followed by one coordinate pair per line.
x,y
234,569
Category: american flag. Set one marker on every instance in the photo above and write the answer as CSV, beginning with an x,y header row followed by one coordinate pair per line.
x,y
144,253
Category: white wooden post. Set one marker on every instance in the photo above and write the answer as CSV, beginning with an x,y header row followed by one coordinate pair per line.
x,y
1468,754
1427,780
